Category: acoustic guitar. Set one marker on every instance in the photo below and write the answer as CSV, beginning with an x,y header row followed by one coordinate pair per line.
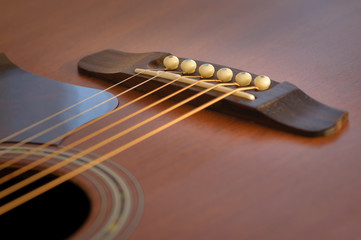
x,y
252,139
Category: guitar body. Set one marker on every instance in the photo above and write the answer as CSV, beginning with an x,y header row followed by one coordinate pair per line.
x,y
212,175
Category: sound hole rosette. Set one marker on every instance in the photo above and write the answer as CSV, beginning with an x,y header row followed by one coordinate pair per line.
x,y
116,197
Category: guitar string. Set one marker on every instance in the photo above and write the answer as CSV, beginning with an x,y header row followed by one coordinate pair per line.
x,y
8,163
51,169
30,195
39,148
62,111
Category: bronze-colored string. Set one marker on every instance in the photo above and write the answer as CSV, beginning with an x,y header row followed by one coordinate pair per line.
x,y
72,145
62,111
8,163
53,168
83,168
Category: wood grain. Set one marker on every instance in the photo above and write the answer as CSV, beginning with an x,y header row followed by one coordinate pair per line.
x,y
213,176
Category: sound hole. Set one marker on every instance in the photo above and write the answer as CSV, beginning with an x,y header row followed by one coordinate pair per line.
x,y
56,214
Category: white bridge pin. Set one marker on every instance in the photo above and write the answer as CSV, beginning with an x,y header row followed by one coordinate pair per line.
x,y
171,62
224,74
188,66
262,82
206,70
243,79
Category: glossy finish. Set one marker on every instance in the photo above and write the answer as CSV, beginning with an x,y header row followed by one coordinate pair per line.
x,y
27,99
213,176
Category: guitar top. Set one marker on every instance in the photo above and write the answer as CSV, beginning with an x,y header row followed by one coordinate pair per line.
x,y
264,146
